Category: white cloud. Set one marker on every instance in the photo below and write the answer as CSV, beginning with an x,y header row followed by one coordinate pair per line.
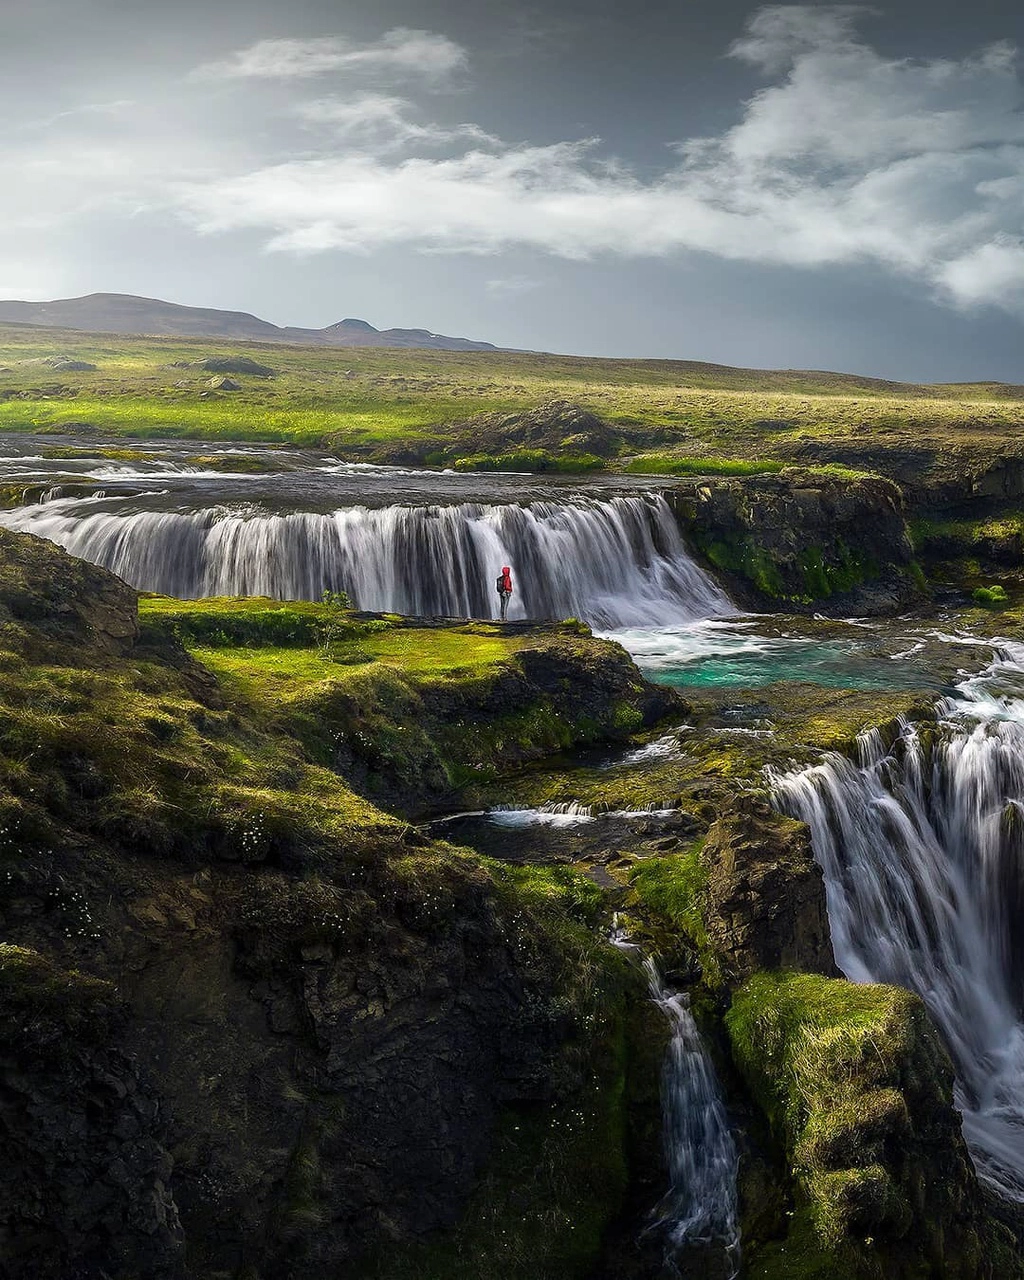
x,y
381,122
778,35
86,109
846,156
849,156
512,286
400,53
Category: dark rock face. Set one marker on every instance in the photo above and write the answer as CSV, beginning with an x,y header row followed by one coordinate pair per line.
x,y
766,894
803,538
86,1178
327,1092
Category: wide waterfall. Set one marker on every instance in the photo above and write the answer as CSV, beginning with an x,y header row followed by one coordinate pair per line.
x,y
701,1206
615,562
922,847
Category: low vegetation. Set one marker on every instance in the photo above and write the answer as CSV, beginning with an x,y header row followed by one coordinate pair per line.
x,y
680,416
666,464
857,1086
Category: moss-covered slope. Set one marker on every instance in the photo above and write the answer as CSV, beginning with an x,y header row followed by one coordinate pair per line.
x,y
329,1018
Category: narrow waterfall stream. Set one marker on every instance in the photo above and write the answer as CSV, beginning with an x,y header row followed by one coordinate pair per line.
x,y
614,561
701,1204
922,847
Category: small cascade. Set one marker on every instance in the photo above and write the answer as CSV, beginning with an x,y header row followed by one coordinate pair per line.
x,y
614,562
701,1205
564,814
922,848
572,813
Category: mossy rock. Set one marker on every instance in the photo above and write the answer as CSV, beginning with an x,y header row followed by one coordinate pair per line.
x,y
858,1091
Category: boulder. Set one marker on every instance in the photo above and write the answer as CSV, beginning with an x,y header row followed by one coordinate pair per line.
x,y
224,384
858,1090
87,1173
235,364
64,364
556,426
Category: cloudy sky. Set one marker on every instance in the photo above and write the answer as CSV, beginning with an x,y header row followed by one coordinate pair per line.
x,y
787,185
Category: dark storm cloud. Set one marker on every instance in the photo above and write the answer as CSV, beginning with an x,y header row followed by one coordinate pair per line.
x,y
490,155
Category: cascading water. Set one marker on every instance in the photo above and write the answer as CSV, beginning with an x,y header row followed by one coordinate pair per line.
x,y
701,1204
922,848
617,562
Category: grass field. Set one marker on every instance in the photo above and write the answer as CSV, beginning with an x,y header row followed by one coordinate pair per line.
x,y
356,400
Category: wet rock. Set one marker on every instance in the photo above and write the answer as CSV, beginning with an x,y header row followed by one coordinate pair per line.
x,y
765,893
804,538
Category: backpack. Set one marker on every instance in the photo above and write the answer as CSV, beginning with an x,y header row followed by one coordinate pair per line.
x,y
501,584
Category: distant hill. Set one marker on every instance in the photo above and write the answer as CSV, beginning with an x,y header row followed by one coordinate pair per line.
x,y
124,313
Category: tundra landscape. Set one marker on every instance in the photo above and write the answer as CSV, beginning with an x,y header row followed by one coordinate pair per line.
x,y
539,796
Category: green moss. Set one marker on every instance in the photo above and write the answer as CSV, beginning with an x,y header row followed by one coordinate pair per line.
x,y
662,464
800,1256
531,460
748,561
673,888
838,472
49,1010
827,578
250,622
990,597
856,1085
963,541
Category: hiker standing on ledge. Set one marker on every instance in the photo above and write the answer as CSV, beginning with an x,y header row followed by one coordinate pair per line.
x,y
505,591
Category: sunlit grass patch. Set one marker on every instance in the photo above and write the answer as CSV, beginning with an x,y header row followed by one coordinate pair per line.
x,y
663,464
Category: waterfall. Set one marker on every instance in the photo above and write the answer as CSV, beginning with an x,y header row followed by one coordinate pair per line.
x,y
701,1204
922,848
617,562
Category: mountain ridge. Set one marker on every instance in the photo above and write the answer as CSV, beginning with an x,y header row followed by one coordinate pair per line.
x,y
126,313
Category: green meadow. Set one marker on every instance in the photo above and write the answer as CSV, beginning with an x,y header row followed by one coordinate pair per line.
x,y
670,414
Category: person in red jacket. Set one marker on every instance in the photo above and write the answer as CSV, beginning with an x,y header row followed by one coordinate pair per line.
x,y
505,591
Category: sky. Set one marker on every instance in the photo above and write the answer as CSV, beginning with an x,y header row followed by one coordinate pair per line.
x,y
782,186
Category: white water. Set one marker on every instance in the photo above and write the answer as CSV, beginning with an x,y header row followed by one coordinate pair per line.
x,y
617,563
570,814
701,1204
923,856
